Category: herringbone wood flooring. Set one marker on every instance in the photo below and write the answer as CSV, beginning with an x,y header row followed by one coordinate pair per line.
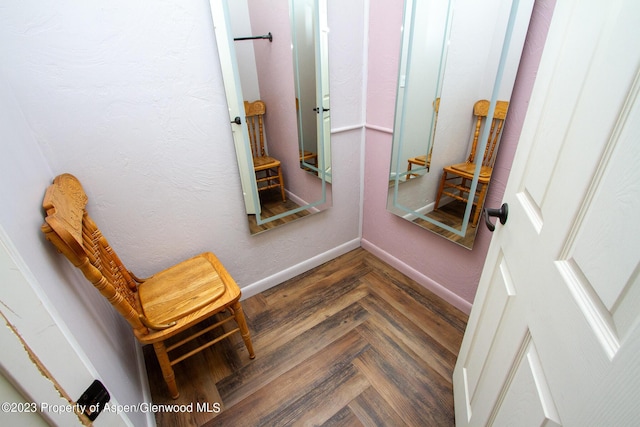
x,y
352,342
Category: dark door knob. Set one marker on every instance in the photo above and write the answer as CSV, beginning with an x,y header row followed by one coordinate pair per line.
x,y
501,213
237,120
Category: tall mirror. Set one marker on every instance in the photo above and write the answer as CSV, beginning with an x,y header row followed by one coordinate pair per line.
x,y
458,63
274,60
311,78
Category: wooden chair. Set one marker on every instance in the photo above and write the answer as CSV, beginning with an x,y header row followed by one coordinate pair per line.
x,y
418,161
162,309
268,169
425,159
458,177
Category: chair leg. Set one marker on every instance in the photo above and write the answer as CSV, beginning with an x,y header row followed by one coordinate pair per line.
x,y
480,205
463,184
440,190
238,313
167,370
284,198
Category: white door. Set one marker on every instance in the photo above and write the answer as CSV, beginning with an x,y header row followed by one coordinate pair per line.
x,y
554,334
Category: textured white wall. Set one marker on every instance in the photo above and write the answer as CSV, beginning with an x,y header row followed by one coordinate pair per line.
x,y
129,97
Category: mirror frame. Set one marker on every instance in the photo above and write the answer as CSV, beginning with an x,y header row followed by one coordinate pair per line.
x,y
235,101
393,201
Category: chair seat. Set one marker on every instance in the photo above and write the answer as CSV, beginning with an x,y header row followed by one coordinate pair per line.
x,y
419,160
469,169
265,162
306,155
180,290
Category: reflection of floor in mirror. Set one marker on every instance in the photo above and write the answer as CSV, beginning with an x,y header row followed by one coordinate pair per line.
x,y
450,214
272,205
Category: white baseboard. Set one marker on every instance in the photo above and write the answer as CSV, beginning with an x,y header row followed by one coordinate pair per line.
x,y
430,284
295,270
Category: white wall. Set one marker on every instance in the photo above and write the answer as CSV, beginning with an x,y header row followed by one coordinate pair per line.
x,y
129,98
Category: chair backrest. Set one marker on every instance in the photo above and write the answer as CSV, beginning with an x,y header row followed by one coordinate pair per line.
x,y
480,111
255,112
72,231
436,109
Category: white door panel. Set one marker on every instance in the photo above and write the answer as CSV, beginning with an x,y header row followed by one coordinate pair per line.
x,y
526,395
554,334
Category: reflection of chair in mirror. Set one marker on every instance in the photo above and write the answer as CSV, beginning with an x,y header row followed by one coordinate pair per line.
x,y
309,158
458,177
425,159
268,169
418,161
160,309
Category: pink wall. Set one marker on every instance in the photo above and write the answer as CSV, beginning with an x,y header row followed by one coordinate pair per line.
x,y
443,267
